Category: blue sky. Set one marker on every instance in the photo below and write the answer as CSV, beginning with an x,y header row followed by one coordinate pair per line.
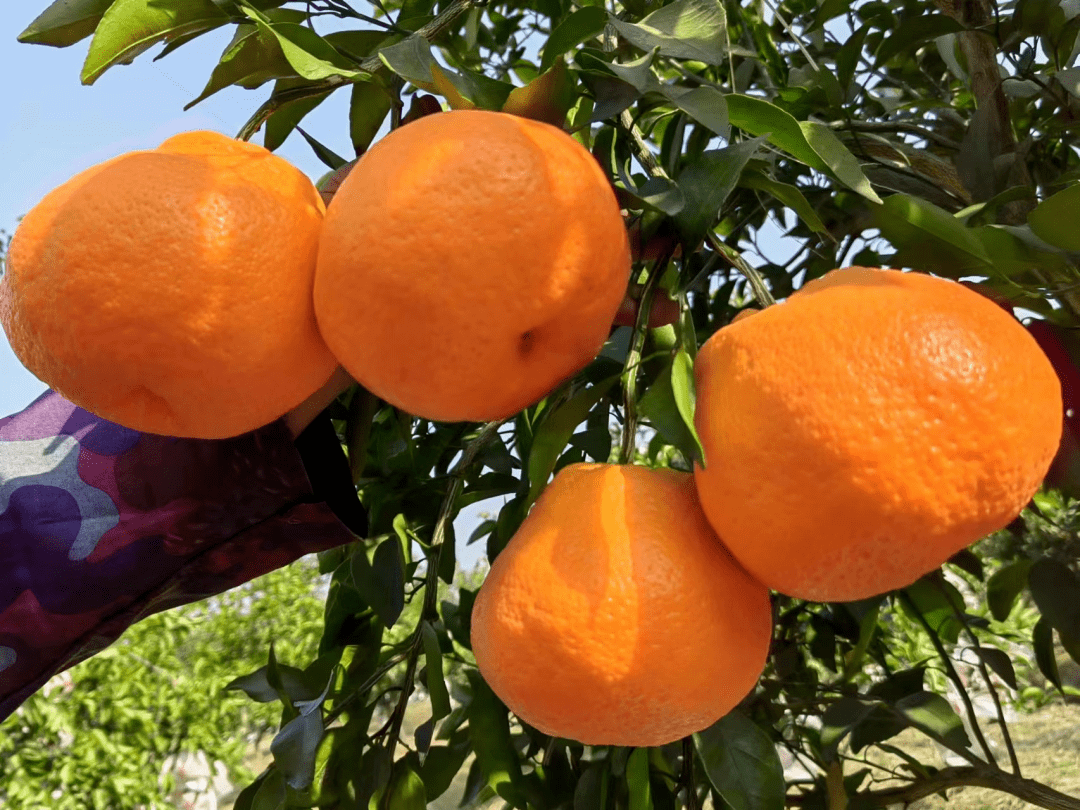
x,y
54,127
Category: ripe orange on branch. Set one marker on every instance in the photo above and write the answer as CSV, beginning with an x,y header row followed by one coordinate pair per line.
x,y
169,290
864,431
615,616
469,263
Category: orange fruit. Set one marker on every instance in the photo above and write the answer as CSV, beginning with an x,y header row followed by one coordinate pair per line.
x,y
866,430
614,616
169,290
470,262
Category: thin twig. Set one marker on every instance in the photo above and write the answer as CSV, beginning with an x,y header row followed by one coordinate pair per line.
x,y
954,676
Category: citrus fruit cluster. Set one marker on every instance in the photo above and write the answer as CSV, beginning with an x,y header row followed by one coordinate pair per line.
x,y
855,436
469,263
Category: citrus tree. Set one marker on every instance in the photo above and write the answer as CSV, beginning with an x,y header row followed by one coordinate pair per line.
x,y
932,135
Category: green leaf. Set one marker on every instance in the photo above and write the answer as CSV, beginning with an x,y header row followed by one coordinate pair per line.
x,y
1054,219
660,408
843,165
270,794
131,27
912,32
742,764
938,601
324,153
467,89
1042,641
707,182
65,22
684,29
838,720
577,27
637,780
411,60
931,712
547,98
1056,591
940,239
999,662
591,791
405,790
436,684
286,117
554,432
368,108
489,731
249,62
1004,586
310,55
295,748
706,105
381,582
441,765
808,142
878,725
789,195
682,388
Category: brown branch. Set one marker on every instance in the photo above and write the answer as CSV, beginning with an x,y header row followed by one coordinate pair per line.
x,y
1027,790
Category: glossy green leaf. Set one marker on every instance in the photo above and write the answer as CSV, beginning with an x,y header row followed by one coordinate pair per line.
x,y
1054,219
683,390
1042,641
310,55
914,31
684,29
575,28
742,764
807,141
912,224
411,60
252,60
270,794
925,710
938,601
706,105
707,182
1056,591
839,719
489,731
330,159
295,748
878,725
554,432
131,27
591,791
405,791
1004,586
659,407
546,98
441,765
789,195
436,683
999,663
381,582
65,22
637,780
368,108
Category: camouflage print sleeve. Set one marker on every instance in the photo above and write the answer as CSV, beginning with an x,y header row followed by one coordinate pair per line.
x,y
101,526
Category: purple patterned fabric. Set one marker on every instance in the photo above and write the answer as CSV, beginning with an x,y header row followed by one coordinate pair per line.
x,y
101,526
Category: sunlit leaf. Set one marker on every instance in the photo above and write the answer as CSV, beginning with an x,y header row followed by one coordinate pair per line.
x,y
65,22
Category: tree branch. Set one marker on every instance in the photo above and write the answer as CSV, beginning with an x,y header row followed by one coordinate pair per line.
x,y
1028,790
